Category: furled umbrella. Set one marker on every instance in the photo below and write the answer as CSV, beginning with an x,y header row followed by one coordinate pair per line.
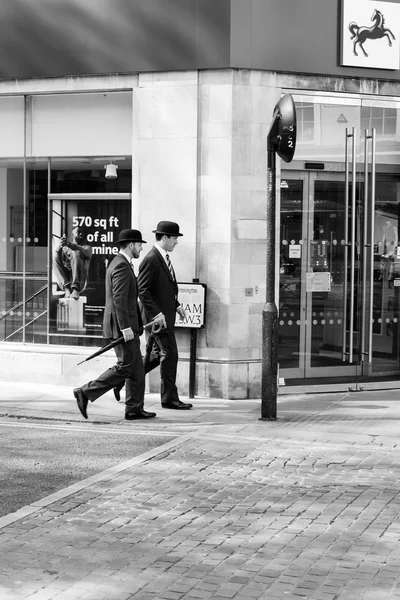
x,y
154,326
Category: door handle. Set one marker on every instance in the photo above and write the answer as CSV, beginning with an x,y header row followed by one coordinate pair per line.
x,y
348,244
352,246
367,137
371,265
368,267
346,240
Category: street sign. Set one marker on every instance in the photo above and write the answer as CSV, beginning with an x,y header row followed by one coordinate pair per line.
x,y
192,297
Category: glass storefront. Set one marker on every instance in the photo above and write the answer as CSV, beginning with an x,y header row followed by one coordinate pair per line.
x,y
339,252
68,163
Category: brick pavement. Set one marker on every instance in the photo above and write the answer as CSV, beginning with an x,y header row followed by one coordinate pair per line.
x,y
291,510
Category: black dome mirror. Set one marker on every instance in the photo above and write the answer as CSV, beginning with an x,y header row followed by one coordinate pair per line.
x,y
282,134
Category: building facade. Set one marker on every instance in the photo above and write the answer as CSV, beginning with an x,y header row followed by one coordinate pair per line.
x,y
116,114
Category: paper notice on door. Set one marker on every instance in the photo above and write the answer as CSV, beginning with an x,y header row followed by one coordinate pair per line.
x,y
295,251
318,282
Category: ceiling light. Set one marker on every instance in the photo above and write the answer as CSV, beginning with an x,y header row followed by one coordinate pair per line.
x,y
111,171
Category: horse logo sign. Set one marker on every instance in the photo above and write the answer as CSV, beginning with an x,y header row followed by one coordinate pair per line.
x,y
377,31
370,34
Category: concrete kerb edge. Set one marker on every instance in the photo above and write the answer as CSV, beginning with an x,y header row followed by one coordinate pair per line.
x,y
109,474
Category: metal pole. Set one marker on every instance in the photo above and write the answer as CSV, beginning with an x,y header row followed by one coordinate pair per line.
x,y
282,141
269,376
192,357
192,365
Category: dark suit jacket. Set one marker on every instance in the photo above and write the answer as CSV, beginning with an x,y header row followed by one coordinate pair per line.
x,y
122,309
157,289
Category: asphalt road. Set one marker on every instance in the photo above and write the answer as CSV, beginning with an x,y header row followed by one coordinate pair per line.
x,y
40,458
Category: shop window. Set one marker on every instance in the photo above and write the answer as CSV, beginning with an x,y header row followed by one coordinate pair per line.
x,y
31,295
23,240
67,141
85,175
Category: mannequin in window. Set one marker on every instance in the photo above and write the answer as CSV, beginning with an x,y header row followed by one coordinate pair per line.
x,y
71,263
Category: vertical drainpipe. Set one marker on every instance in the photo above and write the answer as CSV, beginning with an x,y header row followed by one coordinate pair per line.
x,y
198,187
135,164
193,331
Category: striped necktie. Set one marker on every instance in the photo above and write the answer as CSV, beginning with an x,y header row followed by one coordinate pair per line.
x,y
170,267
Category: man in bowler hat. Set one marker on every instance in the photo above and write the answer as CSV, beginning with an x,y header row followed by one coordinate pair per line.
x,y
158,293
121,318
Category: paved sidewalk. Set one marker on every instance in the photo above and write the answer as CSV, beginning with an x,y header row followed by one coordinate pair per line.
x,y
234,507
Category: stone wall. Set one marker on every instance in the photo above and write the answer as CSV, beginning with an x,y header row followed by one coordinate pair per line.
x,y
201,145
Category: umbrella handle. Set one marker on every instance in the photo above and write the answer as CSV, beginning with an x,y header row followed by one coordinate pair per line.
x,y
155,326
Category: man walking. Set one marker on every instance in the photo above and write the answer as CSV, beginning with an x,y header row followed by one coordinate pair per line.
x,y
121,318
158,291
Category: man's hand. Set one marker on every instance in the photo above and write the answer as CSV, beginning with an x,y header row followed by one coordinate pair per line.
x,y
128,334
63,241
159,322
181,312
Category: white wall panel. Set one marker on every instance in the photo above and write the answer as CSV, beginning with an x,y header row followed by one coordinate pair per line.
x,y
12,127
82,124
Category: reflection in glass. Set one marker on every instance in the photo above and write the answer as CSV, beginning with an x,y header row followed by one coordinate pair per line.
x,y
383,120
305,121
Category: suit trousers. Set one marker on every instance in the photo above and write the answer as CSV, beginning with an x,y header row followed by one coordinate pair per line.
x,y
129,368
162,350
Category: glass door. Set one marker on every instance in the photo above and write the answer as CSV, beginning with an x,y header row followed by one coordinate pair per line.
x,y
339,295
382,283
381,358
315,299
334,277
292,268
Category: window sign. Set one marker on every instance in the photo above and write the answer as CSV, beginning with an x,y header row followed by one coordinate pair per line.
x,y
318,282
83,244
295,251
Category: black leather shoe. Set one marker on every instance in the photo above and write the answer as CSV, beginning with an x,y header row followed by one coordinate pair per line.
x,y
117,392
178,405
140,414
82,401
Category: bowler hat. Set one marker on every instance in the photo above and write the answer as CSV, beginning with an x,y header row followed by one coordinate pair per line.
x,y
167,228
130,235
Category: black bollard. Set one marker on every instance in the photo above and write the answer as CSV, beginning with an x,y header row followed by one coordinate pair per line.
x,y
269,375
